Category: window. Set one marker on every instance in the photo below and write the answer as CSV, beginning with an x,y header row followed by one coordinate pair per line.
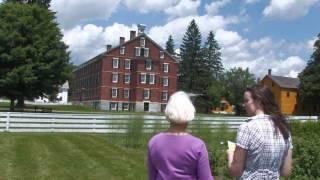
x,y
148,64
122,50
115,77
113,106
288,94
162,54
164,95
143,78
126,93
146,52
115,62
166,67
127,64
137,51
146,93
114,93
165,81
127,78
125,106
151,78
142,41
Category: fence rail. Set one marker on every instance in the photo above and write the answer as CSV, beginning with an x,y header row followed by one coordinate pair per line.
x,y
105,123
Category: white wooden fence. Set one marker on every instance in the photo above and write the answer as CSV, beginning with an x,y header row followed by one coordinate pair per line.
x,y
106,123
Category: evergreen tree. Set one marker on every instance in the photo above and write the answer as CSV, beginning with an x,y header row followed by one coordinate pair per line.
x,y
309,89
189,67
212,56
33,59
42,3
170,45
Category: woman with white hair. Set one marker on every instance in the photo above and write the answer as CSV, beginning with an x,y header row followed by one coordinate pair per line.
x,y
176,154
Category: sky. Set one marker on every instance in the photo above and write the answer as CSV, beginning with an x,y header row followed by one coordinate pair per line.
x,y
254,34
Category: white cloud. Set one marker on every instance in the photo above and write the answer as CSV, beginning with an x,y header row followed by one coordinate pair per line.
x,y
214,7
71,12
183,8
145,6
88,41
288,9
310,43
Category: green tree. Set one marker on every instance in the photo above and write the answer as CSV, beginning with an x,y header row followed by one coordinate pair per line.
x,y
309,88
212,56
189,67
235,82
34,60
43,3
170,45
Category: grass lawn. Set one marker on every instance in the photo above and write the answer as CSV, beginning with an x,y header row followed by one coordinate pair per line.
x,y
68,156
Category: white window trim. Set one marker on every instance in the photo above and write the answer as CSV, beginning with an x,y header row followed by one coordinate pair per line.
x,y
113,108
117,60
145,78
145,52
127,60
117,75
164,69
148,90
126,109
148,68
137,49
127,82
116,95
142,42
161,54
122,50
154,76
167,84
164,99
128,93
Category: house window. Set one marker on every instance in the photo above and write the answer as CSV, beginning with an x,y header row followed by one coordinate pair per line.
x,y
125,106
122,50
164,95
113,106
146,52
165,81
115,63
288,94
114,92
151,78
126,93
137,51
127,78
142,42
127,64
162,54
146,93
148,64
143,78
115,77
166,67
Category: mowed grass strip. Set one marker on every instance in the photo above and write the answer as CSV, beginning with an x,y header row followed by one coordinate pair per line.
x,y
68,156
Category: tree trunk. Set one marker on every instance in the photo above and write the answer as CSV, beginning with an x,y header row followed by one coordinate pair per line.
x,y
12,104
20,103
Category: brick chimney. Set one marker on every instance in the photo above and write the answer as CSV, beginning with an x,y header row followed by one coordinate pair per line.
x,y
269,72
121,40
132,34
109,46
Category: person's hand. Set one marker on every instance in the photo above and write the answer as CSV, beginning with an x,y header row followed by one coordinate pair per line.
x,y
230,156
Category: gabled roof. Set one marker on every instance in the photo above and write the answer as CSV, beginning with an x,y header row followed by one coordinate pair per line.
x,y
100,56
285,82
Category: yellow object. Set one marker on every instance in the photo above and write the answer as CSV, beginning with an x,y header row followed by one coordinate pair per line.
x,y
231,146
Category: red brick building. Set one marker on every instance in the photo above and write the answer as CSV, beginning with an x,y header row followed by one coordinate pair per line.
x,y
136,75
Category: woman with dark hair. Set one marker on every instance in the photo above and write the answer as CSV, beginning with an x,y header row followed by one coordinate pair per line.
x,y
263,144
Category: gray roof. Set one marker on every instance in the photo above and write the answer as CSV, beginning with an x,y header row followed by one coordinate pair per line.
x,y
286,82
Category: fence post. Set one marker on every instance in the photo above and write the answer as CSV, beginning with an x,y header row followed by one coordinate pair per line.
x,y
8,122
